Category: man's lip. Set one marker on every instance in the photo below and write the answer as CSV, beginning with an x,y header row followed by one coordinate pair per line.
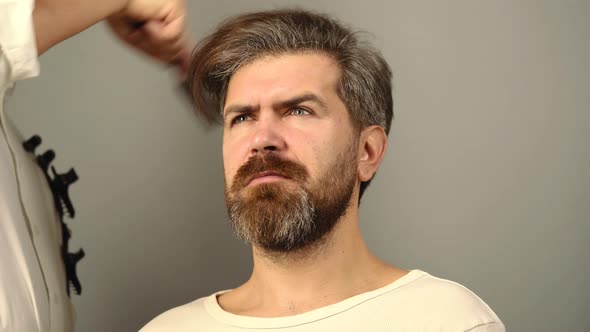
x,y
263,174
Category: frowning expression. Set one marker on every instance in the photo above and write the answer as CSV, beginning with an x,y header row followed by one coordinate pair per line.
x,y
287,105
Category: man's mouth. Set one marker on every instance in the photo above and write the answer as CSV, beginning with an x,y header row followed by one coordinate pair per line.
x,y
265,177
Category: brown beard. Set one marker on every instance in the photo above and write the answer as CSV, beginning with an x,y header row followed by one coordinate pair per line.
x,y
283,217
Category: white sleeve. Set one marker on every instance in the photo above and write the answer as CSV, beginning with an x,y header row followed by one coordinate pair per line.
x,y
21,306
489,327
18,48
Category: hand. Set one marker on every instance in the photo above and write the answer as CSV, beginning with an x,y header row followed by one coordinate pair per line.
x,y
157,28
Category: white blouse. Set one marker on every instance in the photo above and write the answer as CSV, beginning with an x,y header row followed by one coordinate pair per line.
x,y
33,294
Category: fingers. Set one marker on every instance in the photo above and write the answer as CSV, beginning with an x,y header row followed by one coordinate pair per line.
x,y
165,31
161,33
144,10
155,27
161,41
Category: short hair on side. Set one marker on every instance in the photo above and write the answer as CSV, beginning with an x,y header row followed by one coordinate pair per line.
x,y
365,84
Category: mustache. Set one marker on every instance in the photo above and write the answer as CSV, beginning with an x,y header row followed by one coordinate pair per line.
x,y
269,162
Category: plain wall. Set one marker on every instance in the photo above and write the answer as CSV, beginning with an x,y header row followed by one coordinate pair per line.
x,y
486,180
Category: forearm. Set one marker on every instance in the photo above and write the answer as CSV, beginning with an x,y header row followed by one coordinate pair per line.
x,y
57,20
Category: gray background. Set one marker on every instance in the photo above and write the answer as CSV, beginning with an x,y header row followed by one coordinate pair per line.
x,y
486,181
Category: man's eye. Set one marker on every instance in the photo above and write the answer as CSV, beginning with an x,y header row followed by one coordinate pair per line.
x,y
239,118
299,111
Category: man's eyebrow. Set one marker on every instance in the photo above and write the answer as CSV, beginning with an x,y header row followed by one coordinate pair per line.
x,y
298,100
294,101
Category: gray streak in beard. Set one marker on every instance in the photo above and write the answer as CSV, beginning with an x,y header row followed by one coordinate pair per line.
x,y
293,226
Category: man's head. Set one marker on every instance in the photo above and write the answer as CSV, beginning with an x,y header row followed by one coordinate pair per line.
x,y
306,108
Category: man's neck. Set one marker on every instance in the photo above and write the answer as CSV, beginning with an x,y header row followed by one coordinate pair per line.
x,y
289,284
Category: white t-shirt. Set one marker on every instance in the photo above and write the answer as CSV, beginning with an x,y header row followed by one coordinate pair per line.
x,y
33,294
415,302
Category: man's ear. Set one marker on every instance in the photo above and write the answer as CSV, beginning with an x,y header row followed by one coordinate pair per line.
x,y
372,147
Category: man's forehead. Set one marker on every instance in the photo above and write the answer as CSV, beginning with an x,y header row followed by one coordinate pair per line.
x,y
274,79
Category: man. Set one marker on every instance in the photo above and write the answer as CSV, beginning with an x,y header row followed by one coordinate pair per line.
x,y
33,295
306,108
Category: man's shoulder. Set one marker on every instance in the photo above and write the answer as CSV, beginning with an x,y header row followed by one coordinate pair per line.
x,y
440,300
181,318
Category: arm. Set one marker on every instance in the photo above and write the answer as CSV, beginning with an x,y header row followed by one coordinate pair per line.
x,y
57,20
161,36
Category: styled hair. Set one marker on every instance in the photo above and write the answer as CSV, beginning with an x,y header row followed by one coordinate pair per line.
x,y
365,82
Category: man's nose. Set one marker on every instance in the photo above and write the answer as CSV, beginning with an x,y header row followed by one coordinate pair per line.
x,y
268,136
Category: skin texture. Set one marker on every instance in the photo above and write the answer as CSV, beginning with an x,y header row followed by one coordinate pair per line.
x,y
279,215
340,267
162,37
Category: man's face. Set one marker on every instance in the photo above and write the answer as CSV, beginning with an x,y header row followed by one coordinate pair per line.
x,y
289,151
